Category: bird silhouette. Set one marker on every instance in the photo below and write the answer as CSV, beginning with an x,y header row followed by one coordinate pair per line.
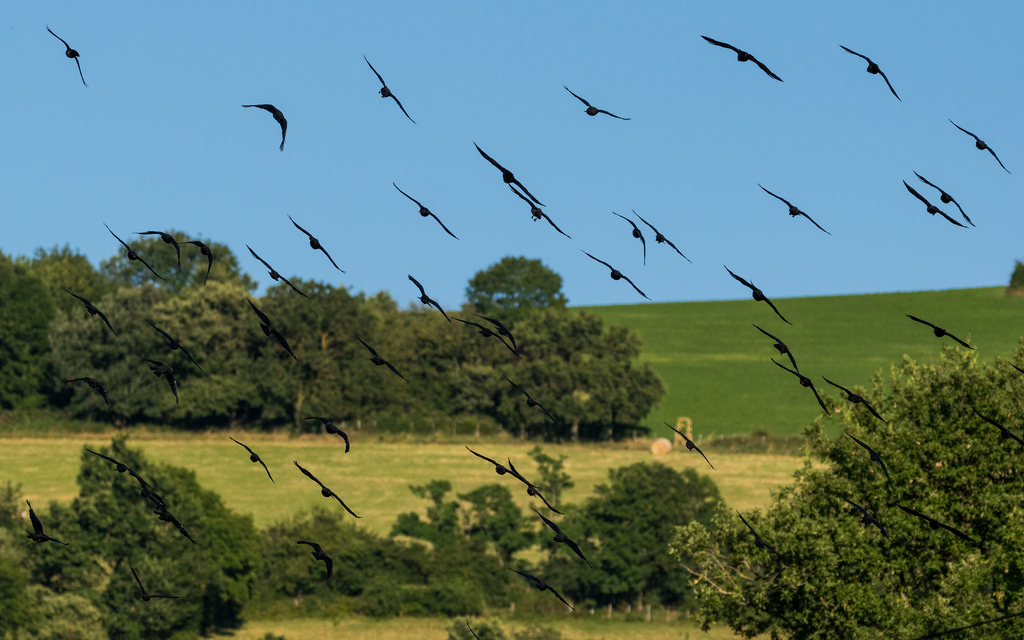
x,y
659,238
561,537
91,308
873,69
71,53
592,110
805,382
507,176
761,544
269,329
319,554
616,274
146,597
780,346
166,516
204,250
173,344
377,360
945,197
540,585
757,294
939,331
980,144
793,211
471,630
866,518
37,534
531,489
160,369
488,333
743,56
499,468
315,244
166,238
503,331
427,300
932,209
121,467
331,429
386,93
690,445
935,524
1003,431
274,275
95,384
426,212
324,491
537,214
530,402
254,457
636,233
132,255
274,111
855,399
874,456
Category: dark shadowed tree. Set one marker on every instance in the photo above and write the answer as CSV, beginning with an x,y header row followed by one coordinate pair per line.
x,y
25,313
512,288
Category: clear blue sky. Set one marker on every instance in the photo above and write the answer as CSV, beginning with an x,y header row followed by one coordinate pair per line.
x,y
159,139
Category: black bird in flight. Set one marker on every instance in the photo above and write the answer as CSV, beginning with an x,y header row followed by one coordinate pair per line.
x,y
160,369
254,457
945,197
561,537
131,253
146,597
505,333
659,238
805,382
855,399
507,176
499,468
427,300
794,211
743,56
542,586
636,233
377,360
939,331
488,333
167,239
1003,431
426,212
95,384
873,69
935,524
274,111
204,250
617,275
269,329
531,489
121,467
530,402
980,144
331,429
471,630
592,110
537,213
386,93
319,554
315,244
91,308
761,544
874,456
756,293
274,275
173,344
166,516
690,445
932,209
37,534
866,518
71,53
324,491
780,346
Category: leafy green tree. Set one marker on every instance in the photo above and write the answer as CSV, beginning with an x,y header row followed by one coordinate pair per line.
x,y
836,577
442,524
61,268
1016,286
64,616
16,607
25,314
123,272
551,475
492,516
511,289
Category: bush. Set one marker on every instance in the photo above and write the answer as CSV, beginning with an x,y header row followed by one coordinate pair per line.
x,y
1016,287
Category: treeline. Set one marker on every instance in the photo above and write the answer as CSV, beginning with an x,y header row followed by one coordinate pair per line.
x,y
454,562
583,373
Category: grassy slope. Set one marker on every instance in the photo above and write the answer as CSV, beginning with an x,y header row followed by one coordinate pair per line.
x,y
716,365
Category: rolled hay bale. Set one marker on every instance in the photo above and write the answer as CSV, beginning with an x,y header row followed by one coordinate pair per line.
x,y
660,447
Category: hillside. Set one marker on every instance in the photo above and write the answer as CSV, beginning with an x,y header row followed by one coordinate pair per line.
x,y
717,367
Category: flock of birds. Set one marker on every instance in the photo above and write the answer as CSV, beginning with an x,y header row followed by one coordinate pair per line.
x,y
498,330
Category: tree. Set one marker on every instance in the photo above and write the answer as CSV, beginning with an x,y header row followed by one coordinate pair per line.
x,y
162,257
510,289
493,516
25,314
551,475
835,577
61,268
1016,286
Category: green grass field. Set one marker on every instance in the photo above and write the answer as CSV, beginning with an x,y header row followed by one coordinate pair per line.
x,y
717,367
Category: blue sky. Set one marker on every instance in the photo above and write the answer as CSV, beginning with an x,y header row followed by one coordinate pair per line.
x,y
159,139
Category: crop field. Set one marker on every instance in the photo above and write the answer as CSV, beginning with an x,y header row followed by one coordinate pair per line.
x,y
717,367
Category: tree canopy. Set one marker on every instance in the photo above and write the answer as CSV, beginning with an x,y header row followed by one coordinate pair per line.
x,y
514,287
